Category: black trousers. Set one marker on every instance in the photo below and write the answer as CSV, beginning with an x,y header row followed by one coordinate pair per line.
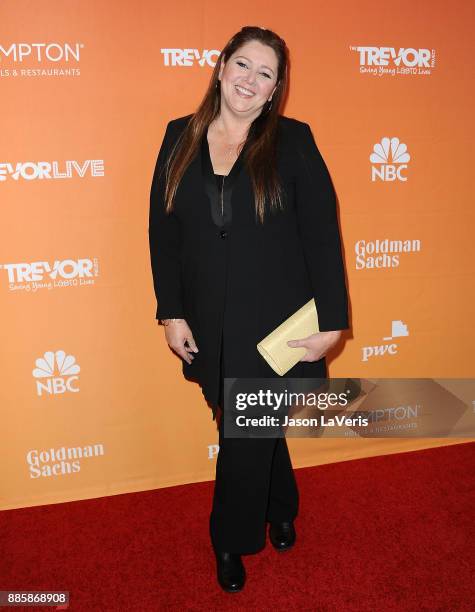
x,y
255,484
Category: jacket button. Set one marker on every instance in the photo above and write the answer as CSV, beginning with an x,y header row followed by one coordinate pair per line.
x,y
223,233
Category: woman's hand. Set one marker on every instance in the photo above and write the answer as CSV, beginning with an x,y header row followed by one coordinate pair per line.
x,y
177,333
317,345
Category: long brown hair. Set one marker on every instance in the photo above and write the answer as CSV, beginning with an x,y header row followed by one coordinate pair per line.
x,y
261,152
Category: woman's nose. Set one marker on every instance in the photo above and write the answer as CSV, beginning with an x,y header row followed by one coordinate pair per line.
x,y
251,78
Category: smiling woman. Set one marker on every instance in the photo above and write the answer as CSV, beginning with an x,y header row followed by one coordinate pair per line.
x,y
247,82
233,256
249,75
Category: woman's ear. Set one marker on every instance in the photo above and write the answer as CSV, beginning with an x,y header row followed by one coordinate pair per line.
x,y
221,68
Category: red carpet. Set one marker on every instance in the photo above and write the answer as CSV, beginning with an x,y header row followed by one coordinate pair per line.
x,y
392,533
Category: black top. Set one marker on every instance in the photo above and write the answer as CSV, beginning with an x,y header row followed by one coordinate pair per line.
x,y
216,276
222,215
219,180
219,187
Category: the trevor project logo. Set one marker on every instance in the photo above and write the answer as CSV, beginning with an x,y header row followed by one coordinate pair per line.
x,y
189,57
395,62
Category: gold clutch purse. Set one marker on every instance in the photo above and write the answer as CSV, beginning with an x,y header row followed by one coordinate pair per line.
x,y
274,348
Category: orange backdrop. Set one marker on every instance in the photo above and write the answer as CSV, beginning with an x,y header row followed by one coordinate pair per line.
x,y
93,401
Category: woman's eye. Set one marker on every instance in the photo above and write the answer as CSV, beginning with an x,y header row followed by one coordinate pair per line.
x,y
239,63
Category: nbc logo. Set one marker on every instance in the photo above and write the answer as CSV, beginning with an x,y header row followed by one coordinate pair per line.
x,y
389,159
398,330
56,373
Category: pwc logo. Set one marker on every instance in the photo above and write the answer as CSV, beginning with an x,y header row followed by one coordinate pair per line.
x,y
56,373
213,450
389,160
398,329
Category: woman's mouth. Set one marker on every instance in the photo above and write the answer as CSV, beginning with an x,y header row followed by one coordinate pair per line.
x,y
243,92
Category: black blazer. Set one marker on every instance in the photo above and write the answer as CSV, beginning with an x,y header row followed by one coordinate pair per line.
x,y
237,280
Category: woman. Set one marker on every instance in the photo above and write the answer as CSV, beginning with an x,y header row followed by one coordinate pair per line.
x,y
243,232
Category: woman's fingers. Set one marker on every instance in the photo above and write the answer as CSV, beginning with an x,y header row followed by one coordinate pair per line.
x,y
181,341
300,342
191,348
186,356
317,345
192,344
181,350
312,344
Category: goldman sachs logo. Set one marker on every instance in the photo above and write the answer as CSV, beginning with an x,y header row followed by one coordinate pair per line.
x,y
41,52
386,253
63,461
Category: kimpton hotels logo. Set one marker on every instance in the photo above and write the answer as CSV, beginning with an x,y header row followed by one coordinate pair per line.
x,y
41,52
40,59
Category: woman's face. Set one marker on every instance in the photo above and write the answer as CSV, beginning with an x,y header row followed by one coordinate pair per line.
x,y
248,78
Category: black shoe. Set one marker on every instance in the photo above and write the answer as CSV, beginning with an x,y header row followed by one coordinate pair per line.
x,y
231,571
282,535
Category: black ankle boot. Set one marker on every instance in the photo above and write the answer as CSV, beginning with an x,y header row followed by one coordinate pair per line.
x,y
230,570
282,535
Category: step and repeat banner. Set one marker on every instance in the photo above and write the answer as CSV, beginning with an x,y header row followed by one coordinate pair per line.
x,y
93,401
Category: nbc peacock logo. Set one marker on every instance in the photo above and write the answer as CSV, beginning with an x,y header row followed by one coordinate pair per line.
x,y
56,373
389,160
